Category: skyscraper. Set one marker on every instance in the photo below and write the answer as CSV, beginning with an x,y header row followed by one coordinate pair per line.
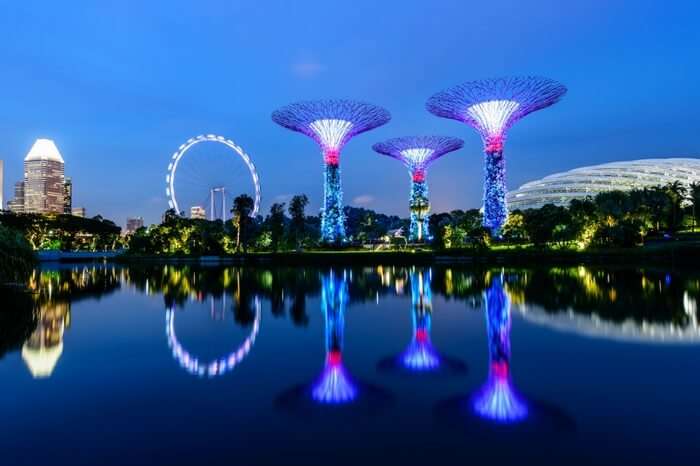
x,y
68,196
133,224
44,179
16,205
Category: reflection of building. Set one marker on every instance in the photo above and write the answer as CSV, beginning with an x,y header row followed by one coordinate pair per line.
x,y
561,188
133,224
78,212
44,347
44,188
198,212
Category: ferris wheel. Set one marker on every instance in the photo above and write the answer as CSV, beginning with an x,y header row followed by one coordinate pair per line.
x,y
205,178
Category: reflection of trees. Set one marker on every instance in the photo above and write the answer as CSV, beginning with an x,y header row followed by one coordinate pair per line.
x,y
17,321
613,295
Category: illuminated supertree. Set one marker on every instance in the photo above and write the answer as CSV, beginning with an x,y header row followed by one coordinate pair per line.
x,y
334,384
417,153
497,399
331,123
491,107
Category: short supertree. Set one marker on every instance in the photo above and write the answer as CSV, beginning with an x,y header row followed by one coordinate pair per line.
x,y
417,153
491,107
334,385
331,123
497,399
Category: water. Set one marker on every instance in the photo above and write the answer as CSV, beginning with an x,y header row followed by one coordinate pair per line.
x,y
386,365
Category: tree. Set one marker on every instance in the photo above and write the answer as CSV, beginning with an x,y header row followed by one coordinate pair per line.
x,y
276,222
243,206
676,193
297,227
694,194
547,224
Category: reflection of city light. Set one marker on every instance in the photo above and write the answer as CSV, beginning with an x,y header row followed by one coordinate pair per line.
x,y
218,367
420,354
334,385
497,400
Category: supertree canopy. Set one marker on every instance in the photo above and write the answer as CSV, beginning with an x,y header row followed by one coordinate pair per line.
x,y
492,106
331,123
334,385
498,400
417,153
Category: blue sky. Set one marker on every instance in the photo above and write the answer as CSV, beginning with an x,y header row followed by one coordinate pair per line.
x,y
119,85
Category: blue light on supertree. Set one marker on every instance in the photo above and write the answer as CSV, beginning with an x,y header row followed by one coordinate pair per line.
x,y
421,355
492,106
331,123
417,153
334,385
498,400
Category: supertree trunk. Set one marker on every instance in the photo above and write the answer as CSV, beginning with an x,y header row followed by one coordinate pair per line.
x,y
495,209
332,216
419,207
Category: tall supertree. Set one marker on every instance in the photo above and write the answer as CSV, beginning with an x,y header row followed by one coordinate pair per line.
x,y
334,385
331,123
491,107
497,399
417,153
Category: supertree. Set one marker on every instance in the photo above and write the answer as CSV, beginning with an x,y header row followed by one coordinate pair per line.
x,y
497,399
334,385
417,153
491,107
331,123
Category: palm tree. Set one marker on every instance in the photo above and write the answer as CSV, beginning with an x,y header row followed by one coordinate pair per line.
x,y
243,205
677,193
694,191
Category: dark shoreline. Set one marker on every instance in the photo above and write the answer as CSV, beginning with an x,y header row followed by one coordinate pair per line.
x,y
673,254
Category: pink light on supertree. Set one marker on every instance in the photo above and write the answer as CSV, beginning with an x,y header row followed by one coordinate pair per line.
x,y
417,153
492,106
331,123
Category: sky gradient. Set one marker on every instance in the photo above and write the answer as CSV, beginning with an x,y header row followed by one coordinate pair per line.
x,y
120,85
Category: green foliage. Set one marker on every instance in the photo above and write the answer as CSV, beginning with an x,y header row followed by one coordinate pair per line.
x,y
16,256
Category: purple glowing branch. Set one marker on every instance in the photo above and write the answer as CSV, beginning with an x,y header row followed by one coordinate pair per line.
x,y
492,106
331,123
419,151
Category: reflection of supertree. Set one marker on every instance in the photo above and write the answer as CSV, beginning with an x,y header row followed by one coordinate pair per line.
x,y
44,347
334,384
417,153
491,107
420,354
498,400
331,123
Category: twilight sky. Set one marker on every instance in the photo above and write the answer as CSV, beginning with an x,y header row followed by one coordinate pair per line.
x,y
119,85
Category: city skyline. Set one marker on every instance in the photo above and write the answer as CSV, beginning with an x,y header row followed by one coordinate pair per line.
x,y
119,104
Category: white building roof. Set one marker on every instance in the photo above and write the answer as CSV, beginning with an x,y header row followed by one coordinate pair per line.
x,y
44,149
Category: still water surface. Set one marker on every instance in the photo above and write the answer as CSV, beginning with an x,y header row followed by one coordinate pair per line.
x,y
385,365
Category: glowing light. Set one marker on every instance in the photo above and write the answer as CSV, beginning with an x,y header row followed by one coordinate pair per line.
x,y
182,150
421,355
492,106
219,366
331,132
331,123
498,400
416,153
493,116
335,385
44,149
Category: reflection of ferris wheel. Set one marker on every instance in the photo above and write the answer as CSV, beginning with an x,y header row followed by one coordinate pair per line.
x,y
219,366
203,179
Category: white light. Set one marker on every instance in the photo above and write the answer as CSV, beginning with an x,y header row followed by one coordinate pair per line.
x,y
493,115
417,156
331,132
44,149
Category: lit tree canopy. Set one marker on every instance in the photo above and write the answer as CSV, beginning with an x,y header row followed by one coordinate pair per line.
x,y
417,152
492,106
331,123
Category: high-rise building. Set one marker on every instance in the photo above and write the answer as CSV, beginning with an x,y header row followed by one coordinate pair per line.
x,y
44,179
78,212
68,196
198,212
133,224
16,205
